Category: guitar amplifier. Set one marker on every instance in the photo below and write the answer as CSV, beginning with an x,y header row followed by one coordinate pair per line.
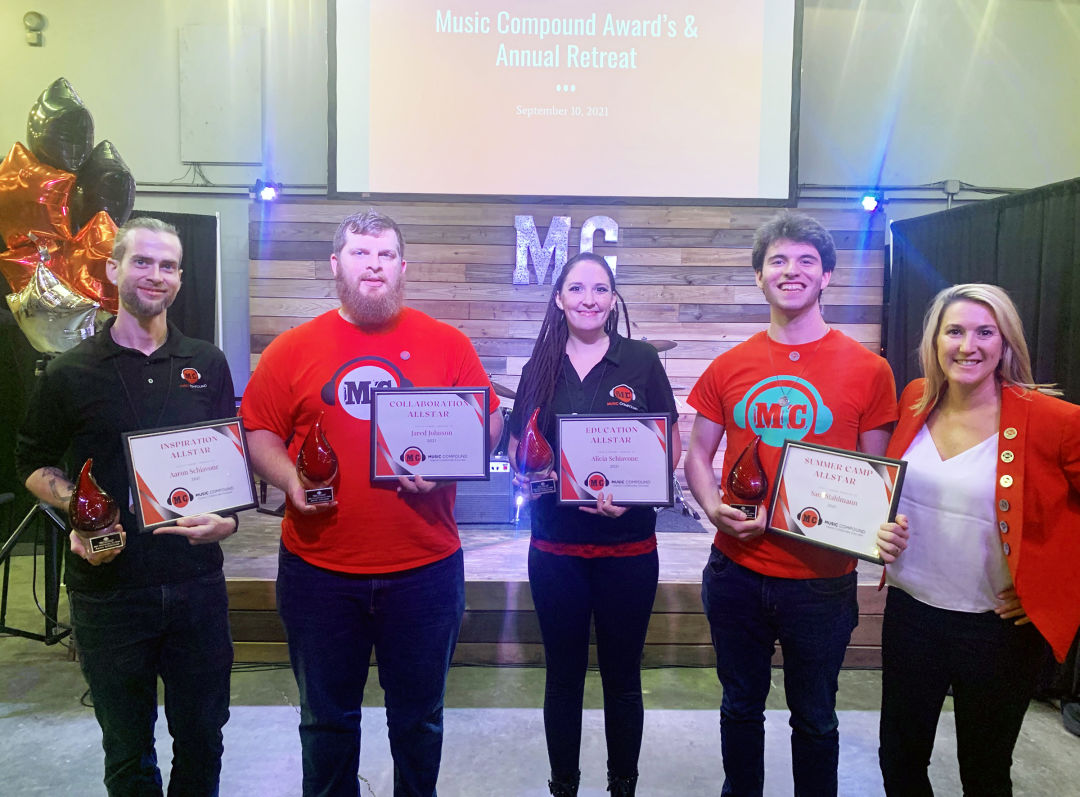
x,y
487,502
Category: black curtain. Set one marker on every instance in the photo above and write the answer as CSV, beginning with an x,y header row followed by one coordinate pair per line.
x,y
195,307
1028,243
17,359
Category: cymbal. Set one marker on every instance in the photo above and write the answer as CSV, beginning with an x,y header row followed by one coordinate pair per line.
x,y
662,345
503,391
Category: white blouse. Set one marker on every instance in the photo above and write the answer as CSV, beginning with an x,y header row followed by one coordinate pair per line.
x,y
953,559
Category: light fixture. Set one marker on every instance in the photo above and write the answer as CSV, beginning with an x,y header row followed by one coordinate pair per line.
x,y
871,201
265,191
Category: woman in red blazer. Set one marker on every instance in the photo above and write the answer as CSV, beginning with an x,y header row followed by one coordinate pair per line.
x,y
984,556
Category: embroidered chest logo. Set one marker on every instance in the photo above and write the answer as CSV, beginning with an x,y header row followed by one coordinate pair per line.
x,y
625,396
353,382
783,408
192,379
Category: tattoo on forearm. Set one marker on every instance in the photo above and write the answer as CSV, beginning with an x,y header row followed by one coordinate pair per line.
x,y
60,486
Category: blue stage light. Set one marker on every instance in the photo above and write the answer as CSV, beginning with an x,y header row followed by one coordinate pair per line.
x,y
266,190
871,201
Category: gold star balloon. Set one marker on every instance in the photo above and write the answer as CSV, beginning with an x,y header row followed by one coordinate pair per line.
x,y
52,316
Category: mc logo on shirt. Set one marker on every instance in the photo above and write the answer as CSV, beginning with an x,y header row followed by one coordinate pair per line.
x,y
783,408
353,382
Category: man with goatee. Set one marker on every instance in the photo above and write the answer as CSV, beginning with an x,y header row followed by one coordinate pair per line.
x,y
156,607
380,566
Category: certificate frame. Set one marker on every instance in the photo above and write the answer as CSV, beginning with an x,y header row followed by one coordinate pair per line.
x,y
160,497
834,498
578,467
422,452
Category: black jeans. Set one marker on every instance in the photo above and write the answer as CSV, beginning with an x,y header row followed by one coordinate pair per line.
x,y
127,638
569,592
991,665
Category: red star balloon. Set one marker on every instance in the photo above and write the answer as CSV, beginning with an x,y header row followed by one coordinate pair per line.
x,y
18,264
33,198
81,261
78,262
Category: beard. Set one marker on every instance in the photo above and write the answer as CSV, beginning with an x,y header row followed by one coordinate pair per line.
x,y
370,311
140,308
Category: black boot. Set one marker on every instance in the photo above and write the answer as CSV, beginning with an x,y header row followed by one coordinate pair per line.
x,y
565,786
622,785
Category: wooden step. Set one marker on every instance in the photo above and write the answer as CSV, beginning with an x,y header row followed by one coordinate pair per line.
x,y
500,626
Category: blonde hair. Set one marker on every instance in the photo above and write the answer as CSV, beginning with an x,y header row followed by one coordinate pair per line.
x,y
1015,364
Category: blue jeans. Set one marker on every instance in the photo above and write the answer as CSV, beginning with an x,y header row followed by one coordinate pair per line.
x,y
127,638
991,665
332,621
813,620
569,593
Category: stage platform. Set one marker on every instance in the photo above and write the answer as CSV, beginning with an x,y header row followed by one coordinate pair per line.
x,y
500,626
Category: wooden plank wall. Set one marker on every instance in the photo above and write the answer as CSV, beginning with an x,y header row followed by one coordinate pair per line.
x,y
684,271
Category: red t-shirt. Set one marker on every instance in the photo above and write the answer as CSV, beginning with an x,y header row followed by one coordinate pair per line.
x,y
329,365
835,390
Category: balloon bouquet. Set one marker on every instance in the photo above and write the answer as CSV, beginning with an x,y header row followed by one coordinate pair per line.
x,y
61,199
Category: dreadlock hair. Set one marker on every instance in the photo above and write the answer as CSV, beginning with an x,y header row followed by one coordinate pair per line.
x,y
545,364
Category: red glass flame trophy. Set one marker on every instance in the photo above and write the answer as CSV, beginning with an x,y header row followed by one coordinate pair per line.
x,y
747,481
317,465
535,456
93,513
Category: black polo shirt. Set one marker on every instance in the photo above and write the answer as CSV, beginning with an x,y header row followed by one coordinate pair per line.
x,y
86,398
628,378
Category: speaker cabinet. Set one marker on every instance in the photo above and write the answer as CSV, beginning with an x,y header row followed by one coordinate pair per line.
x,y
487,502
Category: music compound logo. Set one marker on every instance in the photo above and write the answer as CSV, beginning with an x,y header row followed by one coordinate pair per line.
x,y
783,408
180,498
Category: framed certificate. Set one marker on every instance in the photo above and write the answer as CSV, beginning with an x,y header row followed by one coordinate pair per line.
x,y
180,471
627,456
437,433
835,498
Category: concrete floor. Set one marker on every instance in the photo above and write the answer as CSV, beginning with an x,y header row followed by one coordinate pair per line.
x,y
494,741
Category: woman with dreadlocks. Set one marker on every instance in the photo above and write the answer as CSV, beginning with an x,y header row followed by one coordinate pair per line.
x,y
596,562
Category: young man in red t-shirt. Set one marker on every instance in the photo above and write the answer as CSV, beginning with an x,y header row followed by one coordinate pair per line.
x,y
800,381
381,566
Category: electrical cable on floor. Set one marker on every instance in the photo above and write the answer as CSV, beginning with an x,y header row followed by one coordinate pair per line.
x,y
259,666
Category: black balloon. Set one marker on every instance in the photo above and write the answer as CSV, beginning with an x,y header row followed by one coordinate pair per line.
x,y
104,183
60,129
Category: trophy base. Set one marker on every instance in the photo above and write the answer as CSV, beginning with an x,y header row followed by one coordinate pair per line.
x,y
541,487
319,495
104,542
750,510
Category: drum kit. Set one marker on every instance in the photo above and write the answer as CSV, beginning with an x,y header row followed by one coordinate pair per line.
x,y
661,346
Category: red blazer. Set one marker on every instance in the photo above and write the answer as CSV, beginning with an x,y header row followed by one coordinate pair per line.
x,y
1038,502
